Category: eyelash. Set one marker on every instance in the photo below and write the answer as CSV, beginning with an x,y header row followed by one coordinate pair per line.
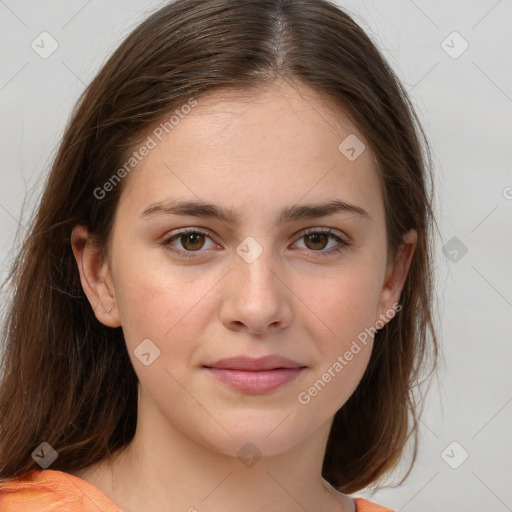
x,y
191,254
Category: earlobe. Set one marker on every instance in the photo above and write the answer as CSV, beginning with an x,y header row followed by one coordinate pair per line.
x,y
95,277
397,272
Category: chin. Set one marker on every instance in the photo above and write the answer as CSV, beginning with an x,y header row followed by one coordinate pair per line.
x,y
260,433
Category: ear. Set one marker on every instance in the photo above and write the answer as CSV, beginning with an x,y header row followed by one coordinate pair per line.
x,y
95,277
396,274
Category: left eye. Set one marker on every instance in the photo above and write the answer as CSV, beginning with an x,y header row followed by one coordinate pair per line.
x,y
319,236
193,240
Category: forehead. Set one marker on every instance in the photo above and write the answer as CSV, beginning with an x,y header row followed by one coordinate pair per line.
x,y
258,147
290,109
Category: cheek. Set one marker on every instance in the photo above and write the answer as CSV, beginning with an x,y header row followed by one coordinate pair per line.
x,y
344,341
156,299
340,307
166,310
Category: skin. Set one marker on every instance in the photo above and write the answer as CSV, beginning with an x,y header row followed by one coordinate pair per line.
x,y
257,154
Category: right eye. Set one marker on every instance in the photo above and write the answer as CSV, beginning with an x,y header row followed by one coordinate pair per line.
x,y
190,239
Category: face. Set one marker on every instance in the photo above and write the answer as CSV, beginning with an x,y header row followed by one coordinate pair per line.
x,y
278,277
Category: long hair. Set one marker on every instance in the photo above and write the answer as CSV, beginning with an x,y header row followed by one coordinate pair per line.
x,y
66,378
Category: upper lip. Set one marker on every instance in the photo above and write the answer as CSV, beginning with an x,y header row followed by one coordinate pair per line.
x,y
270,362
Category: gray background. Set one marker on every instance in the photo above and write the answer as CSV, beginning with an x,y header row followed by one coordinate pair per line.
x,y
465,103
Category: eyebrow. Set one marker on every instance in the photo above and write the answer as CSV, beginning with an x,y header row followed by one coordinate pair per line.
x,y
228,215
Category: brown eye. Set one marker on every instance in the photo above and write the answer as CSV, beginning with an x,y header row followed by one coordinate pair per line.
x,y
192,241
188,242
318,241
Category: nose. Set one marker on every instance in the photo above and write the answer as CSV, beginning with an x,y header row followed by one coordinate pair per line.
x,y
257,298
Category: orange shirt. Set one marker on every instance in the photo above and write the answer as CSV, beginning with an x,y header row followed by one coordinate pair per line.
x,y
55,491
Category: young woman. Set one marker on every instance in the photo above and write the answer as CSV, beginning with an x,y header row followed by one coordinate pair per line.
x,y
225,300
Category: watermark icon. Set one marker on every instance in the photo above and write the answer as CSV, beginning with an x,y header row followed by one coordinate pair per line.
x,y
249,249
455,249
507,193
454,455
249,455
352,147
44,45
304,397
146,352
144,149
44,455
454,45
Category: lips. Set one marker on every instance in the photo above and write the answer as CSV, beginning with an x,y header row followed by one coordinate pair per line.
x,y
270,362
255,375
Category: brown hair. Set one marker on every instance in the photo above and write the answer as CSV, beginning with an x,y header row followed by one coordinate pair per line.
x,y
67,378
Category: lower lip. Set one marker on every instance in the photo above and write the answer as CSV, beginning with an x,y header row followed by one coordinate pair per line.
x,y
256,382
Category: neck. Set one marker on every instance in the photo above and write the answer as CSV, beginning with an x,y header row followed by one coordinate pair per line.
x,y
163,470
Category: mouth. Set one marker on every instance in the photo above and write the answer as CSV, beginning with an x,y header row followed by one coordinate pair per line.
x,y
255,375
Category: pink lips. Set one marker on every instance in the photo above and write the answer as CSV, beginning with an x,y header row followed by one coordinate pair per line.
x,y
255,375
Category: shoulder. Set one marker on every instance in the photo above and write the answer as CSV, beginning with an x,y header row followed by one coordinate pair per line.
x,y
52,491
363,505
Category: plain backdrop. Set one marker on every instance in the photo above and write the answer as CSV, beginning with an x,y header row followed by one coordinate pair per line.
x,y
454,59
